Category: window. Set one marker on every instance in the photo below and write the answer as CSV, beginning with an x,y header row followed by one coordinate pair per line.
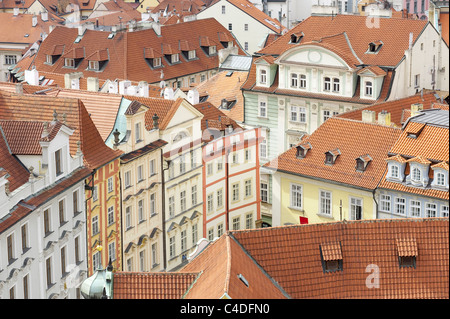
x,y
210,203
172,246
193,160
444,211
127,179
249,221
10,59
95,193
248,188
110,184
96,260
223,9
46,222
211,234
77,250
356,208
440,179
182,164
183,240
236,223
327,84
394,171
75,202
128,217
246,27
325,203
24,233
326,115
155,254
140,173
130,264
219,164
191,54
400,206
194,195
294,113
63,260
141,210
58,164
183,201
417,81
110,215
171,170
264,192
235,157
263,149
94,65
219,230
112,251
414,207
152,204
296,196
175,58
415,174
331,256
246,46
430,210
230,26
69,63
212,50
385,203
219,198
209,169
48,270
194,234
142,260
156,62
302,81
302,114
368,88
336,85
61,212
152,167
235,192
171,206
294,80
262,109
137,132
94,225
263,76
10,244
26,286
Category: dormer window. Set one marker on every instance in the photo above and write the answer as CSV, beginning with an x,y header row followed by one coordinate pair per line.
x,y
416,174
54,54
302,149
394,171
212,50
93,65
98,59
396,168
74,57
152,57
70,63
263,76
156,62
175,58
296,38
440,177
418,171
336,85
58,162
327,84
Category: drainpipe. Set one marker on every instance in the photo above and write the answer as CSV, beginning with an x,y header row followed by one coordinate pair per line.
x,y
86,218
163,210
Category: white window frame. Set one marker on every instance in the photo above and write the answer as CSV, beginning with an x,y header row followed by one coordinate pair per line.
x,y
69,63
112,250
156,62
174,58
263,76
235,192
385,203
368,88
248,188
262,109
302,83
416,174
294,113
94,65
354,203
110,214
415,208
194,195
400,206
249,220
444,211
219,197
429,211
140,205
327,84
294,80
153,204
264,187
183,205
110,184
128,217
336,84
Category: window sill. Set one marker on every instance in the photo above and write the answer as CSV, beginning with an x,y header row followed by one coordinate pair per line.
x,y
299,209
325,215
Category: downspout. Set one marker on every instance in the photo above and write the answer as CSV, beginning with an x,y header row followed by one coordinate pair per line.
x,y
163,211
86,217
121,219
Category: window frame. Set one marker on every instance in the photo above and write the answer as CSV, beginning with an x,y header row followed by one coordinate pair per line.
x,y
325,203
296,190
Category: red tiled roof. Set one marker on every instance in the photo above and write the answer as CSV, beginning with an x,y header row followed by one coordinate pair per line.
x,y
291,256
23,136
353,138
150,285
214,118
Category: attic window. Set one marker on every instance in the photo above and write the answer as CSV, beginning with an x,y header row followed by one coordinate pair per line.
x,y
212,50
374,47
331,257
407,252
227,104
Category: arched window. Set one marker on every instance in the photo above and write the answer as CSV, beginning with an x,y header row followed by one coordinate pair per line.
x,y
302,81
368,90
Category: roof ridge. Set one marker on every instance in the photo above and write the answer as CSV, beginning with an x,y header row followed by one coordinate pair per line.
x,y
227,277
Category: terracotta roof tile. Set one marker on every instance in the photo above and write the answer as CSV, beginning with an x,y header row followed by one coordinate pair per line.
x,y
23,136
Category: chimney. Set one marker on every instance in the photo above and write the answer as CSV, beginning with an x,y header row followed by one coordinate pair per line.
x,y
168,93
19,88
368,116
143,89
16,11
68,80
193,96
123,86
34,21
92,84
157,28
384,118
416,108
44,16
113,87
